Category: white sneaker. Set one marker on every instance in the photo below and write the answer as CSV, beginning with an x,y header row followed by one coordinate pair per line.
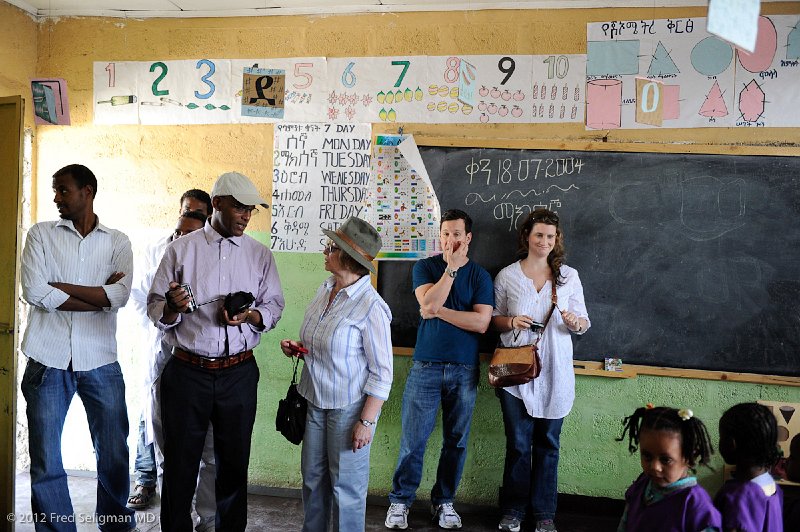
x,y
546,526
509,523
397,516
447,516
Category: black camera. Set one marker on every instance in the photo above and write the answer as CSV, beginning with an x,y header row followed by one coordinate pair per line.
x,y
238,302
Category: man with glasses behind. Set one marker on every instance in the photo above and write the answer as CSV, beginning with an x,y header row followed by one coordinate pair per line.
x,y
212,375
195,207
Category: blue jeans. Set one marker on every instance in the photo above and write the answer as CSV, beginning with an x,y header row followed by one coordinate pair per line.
x,y
48,392
145,463
530,475
455,386
335,478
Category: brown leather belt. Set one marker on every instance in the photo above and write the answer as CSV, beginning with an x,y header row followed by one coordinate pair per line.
x,y
211,363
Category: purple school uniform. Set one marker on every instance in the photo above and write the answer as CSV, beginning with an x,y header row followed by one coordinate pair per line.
x,y
745,506
685,510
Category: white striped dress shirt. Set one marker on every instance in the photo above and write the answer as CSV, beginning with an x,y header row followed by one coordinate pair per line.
x,y
349,346
56,252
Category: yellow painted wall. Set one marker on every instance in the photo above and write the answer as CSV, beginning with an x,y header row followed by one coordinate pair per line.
x,y
18,55
142,171
143,159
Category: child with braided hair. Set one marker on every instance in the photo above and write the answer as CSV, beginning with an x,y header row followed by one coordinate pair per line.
x,y
748,439
666,496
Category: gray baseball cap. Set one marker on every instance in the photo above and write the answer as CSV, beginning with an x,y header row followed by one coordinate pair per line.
x,y
240,187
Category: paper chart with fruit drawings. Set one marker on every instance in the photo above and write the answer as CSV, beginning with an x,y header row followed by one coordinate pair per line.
x,y
375,89
402,89
401,202
673,73
506,89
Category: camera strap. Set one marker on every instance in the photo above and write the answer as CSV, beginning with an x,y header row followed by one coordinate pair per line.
x,y
227,342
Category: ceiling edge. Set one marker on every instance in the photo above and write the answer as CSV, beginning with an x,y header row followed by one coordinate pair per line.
x,y
354,9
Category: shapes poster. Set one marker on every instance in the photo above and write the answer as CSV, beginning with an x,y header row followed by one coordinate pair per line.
x,y
767,81
696,79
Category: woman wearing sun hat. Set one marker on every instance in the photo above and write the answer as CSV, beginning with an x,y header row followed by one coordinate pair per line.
x,y
346,378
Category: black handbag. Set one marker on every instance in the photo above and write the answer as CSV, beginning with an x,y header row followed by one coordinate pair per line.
x,y
291,418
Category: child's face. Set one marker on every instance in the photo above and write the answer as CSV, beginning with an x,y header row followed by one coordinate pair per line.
x,y
661,456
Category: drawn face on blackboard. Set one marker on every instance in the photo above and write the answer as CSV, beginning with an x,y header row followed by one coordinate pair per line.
x,y
661,456
453,234
541,240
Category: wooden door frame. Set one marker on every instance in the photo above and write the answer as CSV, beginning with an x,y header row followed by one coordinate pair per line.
x,y
8,362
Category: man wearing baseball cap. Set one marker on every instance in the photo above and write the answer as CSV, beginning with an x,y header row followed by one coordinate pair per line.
x,y
212,375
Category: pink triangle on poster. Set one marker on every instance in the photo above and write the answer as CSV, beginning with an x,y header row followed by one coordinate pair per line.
x,y
714,106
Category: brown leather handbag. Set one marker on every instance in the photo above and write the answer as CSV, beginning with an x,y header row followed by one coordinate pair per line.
x,y
512,366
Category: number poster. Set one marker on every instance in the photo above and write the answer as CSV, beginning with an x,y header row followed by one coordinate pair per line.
x,y
420,89
673,73
209,91
401,203
635,74
319,179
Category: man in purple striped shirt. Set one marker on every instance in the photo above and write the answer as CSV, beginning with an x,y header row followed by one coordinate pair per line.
x,y
212,375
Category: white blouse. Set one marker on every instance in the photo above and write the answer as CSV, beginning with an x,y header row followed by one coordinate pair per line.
x,y
550,395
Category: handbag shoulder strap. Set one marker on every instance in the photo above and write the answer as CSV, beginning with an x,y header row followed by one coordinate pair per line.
x,y
294,373
553,305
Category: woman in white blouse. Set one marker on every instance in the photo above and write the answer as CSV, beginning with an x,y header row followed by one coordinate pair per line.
x,y
346,378
534,412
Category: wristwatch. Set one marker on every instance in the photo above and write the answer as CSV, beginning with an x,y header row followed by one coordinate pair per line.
x,y
451,272
367,422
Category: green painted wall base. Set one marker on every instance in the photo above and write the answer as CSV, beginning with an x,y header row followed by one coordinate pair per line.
x,y
592,462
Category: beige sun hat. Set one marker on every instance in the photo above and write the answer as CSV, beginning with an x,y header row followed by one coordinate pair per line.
x,y
358,239
240,187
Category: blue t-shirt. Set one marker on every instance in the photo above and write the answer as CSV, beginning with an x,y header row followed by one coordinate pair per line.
x,y
437,340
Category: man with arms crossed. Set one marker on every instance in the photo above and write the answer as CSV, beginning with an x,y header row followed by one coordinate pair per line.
x,y
456,298
76,274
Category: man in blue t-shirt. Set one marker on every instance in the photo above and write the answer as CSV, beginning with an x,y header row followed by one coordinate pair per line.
x,y
456,298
